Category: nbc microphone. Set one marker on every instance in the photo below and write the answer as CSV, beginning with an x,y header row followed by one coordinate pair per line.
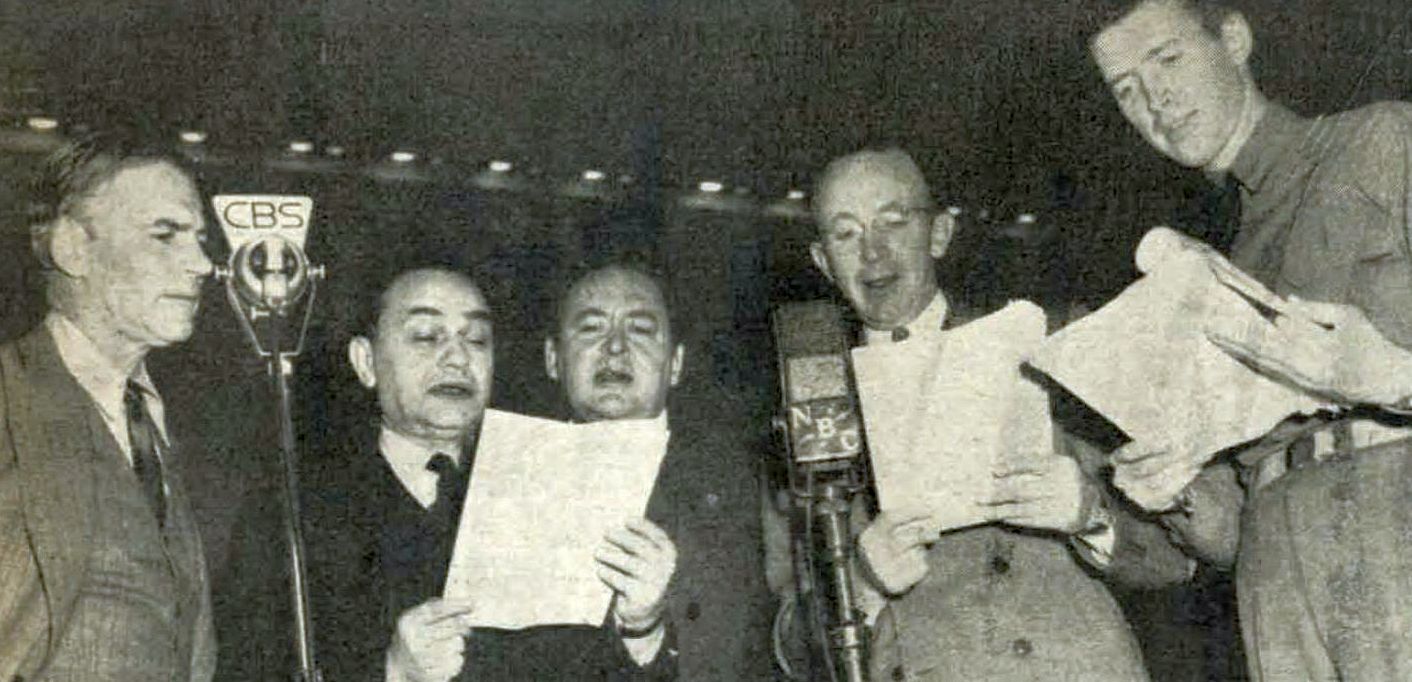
x,y
826,444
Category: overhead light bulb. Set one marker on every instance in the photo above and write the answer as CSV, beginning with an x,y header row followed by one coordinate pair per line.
x,y
42,124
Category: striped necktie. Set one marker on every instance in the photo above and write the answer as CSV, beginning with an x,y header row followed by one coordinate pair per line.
x,y
145,441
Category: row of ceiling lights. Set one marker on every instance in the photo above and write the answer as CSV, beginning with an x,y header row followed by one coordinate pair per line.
x,y
46,124
196,137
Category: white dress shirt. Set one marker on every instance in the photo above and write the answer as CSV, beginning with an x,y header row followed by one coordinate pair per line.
x,y
409,459
104,383
926,325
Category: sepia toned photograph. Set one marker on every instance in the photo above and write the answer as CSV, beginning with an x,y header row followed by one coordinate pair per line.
x,y
705,340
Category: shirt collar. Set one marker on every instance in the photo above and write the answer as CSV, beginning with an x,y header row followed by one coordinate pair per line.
x,y
408,459
95,373
928,323
1279,134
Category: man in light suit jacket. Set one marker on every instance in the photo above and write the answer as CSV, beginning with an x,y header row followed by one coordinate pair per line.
x,y
1014,600
101,569
617,354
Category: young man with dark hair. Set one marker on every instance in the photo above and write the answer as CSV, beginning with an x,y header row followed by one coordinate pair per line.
x,y
1326,214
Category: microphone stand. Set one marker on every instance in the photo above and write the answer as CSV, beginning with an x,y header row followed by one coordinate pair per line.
x,y
828,502
249,310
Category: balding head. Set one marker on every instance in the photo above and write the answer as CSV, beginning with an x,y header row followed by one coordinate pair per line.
x,y
892,164
879,235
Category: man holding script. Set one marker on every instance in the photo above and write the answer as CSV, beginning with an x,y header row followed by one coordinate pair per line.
x,y
1008,600
616,350
381,517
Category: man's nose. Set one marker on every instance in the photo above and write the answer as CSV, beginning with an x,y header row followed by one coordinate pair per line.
x,y
1157,92
617,342
455,354
196,262
874,245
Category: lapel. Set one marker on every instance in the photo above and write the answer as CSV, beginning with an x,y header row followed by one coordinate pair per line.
x,y
51,423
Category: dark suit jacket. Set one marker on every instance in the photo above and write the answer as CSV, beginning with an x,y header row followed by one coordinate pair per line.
x,y
343,510
49,429
1325,571
707,499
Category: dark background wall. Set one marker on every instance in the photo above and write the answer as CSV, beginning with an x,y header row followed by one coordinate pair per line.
x,y
997,100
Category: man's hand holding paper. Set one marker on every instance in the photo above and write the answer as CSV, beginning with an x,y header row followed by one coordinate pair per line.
x,y
1328,350
894,548
545,497
1144,361
429,642
637,561
1154,475
1044,493
941,417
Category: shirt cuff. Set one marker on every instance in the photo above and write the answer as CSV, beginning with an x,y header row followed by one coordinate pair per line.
x,y
1402,406
1096,542
644,650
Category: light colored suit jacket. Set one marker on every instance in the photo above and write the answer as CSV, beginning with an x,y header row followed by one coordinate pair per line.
x,y
1006,604
48,432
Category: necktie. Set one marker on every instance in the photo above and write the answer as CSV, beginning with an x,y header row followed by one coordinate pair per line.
x,y
450,489
144,438
900,334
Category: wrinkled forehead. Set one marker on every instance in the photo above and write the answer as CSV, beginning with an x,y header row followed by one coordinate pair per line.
x,y
866,182
614,290
434,294
148,186
1125,43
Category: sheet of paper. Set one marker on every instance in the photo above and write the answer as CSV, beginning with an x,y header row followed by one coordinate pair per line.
x,y
543,493
940,416
1143,360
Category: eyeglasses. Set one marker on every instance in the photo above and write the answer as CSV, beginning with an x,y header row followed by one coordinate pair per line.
x,y
846,227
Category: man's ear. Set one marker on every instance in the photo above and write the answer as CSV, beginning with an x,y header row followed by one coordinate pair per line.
x,y
360,355
821,260
69,246
1237,38
551,358
678,362
943,229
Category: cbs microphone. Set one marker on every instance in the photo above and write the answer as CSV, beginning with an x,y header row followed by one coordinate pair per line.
x,y
266,278
268,272
825,444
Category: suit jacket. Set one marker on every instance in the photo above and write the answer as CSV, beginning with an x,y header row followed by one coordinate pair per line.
x,y
345,498
1325,571
48,512
707,498
1006,604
